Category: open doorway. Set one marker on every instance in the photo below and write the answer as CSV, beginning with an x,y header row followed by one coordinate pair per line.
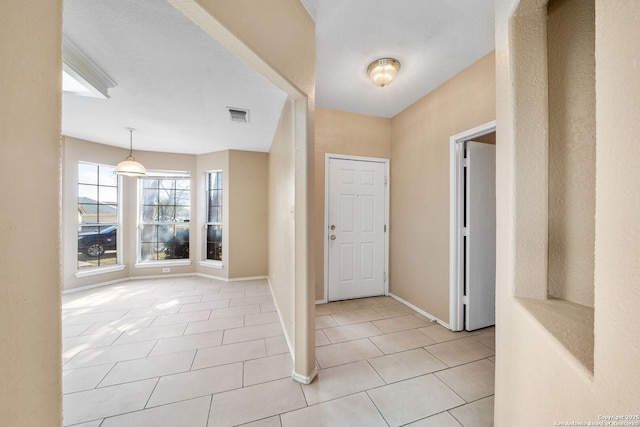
x,y
472,228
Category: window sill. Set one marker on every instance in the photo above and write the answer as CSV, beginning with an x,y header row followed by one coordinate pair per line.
x,y
99,270
212,264
171,263
571,324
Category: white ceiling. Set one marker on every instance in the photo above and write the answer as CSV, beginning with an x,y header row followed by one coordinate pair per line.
x,y
432,39
174,83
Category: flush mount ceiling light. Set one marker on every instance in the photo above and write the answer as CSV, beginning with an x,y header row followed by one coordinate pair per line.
x,y
80,75
382,71
129,166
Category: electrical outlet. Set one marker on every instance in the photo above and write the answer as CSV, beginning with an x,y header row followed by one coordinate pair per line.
x,y
166,270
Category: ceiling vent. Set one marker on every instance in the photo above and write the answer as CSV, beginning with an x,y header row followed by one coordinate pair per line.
x,y
238,115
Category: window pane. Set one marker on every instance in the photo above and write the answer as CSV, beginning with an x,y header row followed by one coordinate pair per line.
x,y
150,183
183,197
165,233
149,233
183,184
150,196
149,214
107,214
106,176
108,194
87,174
166,197
167,213
87,193
214,215
147,252
97,247
214,242
183,213
168,184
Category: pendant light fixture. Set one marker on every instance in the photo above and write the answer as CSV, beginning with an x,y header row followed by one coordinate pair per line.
x,y
129,166
382,71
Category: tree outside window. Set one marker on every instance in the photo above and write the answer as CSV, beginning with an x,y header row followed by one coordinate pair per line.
x,y
214,216
165,216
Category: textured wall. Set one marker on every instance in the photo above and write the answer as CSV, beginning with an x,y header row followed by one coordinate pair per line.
x,y
281,219
531,364
572,149
419,233
337,132
30,331
248,210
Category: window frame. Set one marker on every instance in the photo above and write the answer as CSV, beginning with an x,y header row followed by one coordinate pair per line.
x,y
100,269
160,174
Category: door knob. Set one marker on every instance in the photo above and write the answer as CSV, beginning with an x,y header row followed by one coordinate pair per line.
x,y
333,237
333,227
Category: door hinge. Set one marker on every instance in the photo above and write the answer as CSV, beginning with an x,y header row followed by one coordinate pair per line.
x,y
385,228
384,276
385,180
465,231
465,162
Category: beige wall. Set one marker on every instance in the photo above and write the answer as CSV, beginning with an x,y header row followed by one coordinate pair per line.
x,y
337,132
248,209
30,325
419,233
572,149
281,220
537,378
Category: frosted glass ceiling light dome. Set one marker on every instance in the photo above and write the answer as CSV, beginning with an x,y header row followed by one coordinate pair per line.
x,y
382,71
129,166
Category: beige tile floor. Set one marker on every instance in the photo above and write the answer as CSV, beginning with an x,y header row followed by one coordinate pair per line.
x,y
193,352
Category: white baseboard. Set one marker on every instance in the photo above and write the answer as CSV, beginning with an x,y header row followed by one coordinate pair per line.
x,y
158,276
226,279
292,351
321,301
95,285
424,313
303,379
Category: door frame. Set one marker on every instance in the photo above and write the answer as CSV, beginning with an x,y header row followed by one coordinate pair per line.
x,y
456,192
386,162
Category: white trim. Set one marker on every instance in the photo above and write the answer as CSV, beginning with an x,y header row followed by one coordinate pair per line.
x,y
419,310
162,276
455,282
172,263
387,186
292,351
306,380
321,301
212,264
95,285
235,279
99,270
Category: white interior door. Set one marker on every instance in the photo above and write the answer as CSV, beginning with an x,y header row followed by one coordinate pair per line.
x,y
480,250
356,228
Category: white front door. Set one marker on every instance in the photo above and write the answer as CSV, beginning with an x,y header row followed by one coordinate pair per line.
x,y
480,256
356,228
